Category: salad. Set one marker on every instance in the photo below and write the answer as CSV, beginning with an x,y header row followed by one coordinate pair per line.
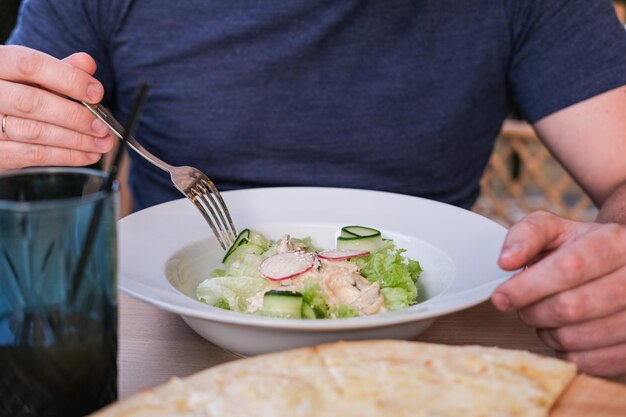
x,y
291,278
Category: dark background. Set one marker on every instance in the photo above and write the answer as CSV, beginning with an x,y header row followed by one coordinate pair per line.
x,y
8,14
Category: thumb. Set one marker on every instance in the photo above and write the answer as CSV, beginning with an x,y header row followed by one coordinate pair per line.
x,y
82,61
536,233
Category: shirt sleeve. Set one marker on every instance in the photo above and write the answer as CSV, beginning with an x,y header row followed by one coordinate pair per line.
x,y
564,51
61,28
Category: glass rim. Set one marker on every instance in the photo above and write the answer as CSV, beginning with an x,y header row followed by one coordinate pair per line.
x,y
56,203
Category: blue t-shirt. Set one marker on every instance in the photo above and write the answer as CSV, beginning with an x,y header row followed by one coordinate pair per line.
x,y
397,95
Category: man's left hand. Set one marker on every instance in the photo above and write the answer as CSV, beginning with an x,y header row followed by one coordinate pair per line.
x,y
573,290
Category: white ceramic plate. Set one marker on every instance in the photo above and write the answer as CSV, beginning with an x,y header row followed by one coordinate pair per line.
x,y
166,250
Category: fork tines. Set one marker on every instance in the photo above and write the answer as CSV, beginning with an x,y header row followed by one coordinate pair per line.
x,y
208,200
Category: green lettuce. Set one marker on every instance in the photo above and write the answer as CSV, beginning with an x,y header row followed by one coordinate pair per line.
x,y
396,298
313,296
218,273
222,303
229,291
344,312
396,274
308,242
246,266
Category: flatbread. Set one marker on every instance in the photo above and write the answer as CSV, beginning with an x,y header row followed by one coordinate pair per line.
x,y
367,378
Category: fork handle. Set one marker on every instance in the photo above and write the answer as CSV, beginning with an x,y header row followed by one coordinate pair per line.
x,y
103,114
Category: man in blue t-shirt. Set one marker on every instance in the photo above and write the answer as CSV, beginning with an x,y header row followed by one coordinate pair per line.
x,y
404,96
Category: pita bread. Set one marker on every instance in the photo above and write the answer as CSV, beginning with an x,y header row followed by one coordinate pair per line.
x,y
371,378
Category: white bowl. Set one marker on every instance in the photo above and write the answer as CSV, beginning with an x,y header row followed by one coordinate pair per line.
x,y
166,250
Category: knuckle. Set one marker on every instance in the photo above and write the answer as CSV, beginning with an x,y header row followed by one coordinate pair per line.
x,y
78,158
76,140
575,357
76,118
570,268
36,155
535,222
568,308
30,63
527,227
540,216
70,81
619,290
30,129
27,101
617,232
591,363
74,157
567,338
525,316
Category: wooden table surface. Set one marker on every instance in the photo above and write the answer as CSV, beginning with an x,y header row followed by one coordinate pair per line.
x,y
156,345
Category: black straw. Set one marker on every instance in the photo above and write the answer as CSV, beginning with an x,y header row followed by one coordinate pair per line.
x,y
129,130
107,187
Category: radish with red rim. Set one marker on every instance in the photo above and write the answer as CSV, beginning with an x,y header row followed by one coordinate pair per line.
x,y
286,265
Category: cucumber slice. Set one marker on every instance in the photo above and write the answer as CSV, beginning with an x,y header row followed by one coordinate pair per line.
x,y
242,250
359,231
284,304
359,238
241,238
369,244
258,239
345,233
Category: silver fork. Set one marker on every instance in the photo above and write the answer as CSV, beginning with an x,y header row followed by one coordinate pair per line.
x,y
196,186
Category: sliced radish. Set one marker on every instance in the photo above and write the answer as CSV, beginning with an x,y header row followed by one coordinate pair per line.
x,y
342,254
286,265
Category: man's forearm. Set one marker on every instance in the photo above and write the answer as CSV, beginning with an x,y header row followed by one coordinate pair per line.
x,y
613,209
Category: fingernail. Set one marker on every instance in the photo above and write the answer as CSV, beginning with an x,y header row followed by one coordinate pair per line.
x,y
501,301
94,91
103,143
99,127
510,251
93,156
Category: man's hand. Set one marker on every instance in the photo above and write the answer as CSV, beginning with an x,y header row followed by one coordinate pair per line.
x,y
574,289
41,126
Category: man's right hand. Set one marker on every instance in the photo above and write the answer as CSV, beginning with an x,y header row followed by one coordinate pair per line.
x,y
41,125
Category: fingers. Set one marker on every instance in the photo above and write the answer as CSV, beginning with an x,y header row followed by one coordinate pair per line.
x,y
592,334
32,131
26,142
598,298
24,65
36,104
608,361
593,252
574,289
27,154
43,126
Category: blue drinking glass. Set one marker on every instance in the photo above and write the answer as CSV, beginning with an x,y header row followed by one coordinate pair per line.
x,y
58,331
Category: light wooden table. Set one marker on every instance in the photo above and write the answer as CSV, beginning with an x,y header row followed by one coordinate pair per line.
x,y
156,345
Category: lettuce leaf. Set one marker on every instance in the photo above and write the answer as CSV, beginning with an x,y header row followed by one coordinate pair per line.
x,y
308,241
218,273
396,274
222,303
246,266
344,312
313,296
231,291
396,298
